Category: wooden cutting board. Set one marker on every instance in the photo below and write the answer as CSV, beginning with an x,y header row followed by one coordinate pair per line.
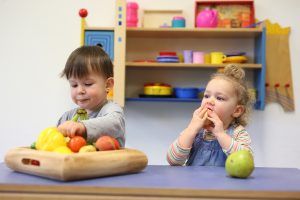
x,y
75,166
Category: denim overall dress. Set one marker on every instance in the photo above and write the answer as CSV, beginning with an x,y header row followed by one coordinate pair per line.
x,y
207,152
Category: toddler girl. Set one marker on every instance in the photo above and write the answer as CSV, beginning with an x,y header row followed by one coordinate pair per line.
x,y
217,126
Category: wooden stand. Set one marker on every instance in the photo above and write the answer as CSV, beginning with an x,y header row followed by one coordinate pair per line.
x,y
75,166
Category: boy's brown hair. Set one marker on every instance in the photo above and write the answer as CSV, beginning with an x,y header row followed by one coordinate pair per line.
x,y
87,59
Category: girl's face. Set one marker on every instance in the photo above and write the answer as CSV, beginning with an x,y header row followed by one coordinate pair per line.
x,y
220,97
89,92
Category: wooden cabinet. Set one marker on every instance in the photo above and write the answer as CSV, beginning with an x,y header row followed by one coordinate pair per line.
x,y
145,43
132,44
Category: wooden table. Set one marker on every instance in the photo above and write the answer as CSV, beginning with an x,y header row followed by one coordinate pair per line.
x,y
157,182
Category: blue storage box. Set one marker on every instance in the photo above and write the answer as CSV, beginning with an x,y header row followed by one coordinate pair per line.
x,y
189,93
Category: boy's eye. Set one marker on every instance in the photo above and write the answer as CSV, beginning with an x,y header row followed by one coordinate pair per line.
x,y
88,84
73,85
206,96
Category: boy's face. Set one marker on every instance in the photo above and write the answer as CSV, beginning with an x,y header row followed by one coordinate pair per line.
x,y
220,97
89,92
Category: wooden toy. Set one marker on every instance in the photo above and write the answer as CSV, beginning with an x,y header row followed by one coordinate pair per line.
x,y
279,84
83,14
75,166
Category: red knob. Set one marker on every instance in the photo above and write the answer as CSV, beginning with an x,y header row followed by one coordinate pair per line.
x,y
83,12
277,85
287,85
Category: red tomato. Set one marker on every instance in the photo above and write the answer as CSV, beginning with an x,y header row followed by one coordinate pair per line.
x,y
76,143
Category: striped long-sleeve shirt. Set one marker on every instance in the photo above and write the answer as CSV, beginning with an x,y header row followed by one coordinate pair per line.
x,y
240,140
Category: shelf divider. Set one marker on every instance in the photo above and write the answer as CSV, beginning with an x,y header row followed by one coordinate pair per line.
x,y
187,65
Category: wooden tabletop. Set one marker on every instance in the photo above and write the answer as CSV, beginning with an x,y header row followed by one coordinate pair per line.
x,y
157,182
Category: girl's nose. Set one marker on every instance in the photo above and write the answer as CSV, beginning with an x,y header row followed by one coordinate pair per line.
x,y
211,102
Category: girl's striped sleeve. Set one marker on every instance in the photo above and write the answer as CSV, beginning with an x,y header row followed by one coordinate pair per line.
x,y
241,140
177,155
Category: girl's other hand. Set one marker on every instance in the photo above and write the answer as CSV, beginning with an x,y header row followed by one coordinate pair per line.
x,y
199,118
70,129
218,127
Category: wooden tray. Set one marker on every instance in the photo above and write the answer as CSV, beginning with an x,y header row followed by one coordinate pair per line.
x,y
75,166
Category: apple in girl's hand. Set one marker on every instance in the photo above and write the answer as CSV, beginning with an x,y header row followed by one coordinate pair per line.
x,y
207,122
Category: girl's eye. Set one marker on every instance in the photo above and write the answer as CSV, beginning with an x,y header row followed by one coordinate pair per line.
x,y
220,98
206,96
73,85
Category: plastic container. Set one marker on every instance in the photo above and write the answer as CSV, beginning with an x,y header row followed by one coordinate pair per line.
x,y
188,93
157,89
132,14
188,56
198,57
178,22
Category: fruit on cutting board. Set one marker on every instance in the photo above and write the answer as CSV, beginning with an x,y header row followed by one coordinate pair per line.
x,y
49,139
240,164
76,143
87,148
63,150
105,143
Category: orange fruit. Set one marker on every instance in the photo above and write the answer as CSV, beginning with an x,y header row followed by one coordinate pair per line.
x,y
105,143
76,143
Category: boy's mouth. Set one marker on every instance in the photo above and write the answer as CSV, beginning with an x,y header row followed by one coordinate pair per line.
x,y
82,100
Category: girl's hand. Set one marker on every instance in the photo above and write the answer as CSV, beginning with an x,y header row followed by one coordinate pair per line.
x,y
71,128
218,127
198,120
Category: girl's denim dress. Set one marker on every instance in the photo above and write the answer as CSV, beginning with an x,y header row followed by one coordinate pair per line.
x,y
207,152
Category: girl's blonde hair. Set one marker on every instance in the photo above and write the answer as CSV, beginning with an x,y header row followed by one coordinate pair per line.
x,y
236,76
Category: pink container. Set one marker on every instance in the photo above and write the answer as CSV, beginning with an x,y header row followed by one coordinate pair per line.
x,y
132,14
198,57
207,18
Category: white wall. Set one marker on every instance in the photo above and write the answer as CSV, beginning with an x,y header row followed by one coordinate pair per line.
x,y
36,36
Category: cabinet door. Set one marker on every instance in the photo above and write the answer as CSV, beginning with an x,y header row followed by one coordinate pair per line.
x,y
102,38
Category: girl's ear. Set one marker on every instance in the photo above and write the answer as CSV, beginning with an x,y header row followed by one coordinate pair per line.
x,y
109,83
238,111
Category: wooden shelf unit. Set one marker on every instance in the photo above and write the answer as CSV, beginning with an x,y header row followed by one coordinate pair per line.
x,y
194,32
123,35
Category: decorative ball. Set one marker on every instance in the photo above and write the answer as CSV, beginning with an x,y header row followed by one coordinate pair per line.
x,y
83,13
105,143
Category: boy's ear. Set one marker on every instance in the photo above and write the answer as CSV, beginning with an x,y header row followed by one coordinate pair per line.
x,y
238,111
109,83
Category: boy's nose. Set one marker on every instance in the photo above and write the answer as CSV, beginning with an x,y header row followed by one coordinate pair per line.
x,y
81,90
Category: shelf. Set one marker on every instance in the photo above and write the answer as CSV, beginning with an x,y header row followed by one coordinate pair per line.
x,y
186,65
99,28
163,99
194,32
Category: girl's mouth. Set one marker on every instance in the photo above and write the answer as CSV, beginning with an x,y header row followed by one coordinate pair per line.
x,y
209,108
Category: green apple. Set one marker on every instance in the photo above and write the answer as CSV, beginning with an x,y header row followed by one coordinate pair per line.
x,y
239,164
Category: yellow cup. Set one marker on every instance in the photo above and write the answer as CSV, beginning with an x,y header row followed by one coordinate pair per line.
x,y
217,57
207,58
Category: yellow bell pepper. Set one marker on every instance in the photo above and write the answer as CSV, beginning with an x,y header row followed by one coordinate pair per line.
x,y
63,150
49,139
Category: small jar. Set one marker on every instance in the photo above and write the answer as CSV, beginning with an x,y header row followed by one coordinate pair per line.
x,y
178,22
